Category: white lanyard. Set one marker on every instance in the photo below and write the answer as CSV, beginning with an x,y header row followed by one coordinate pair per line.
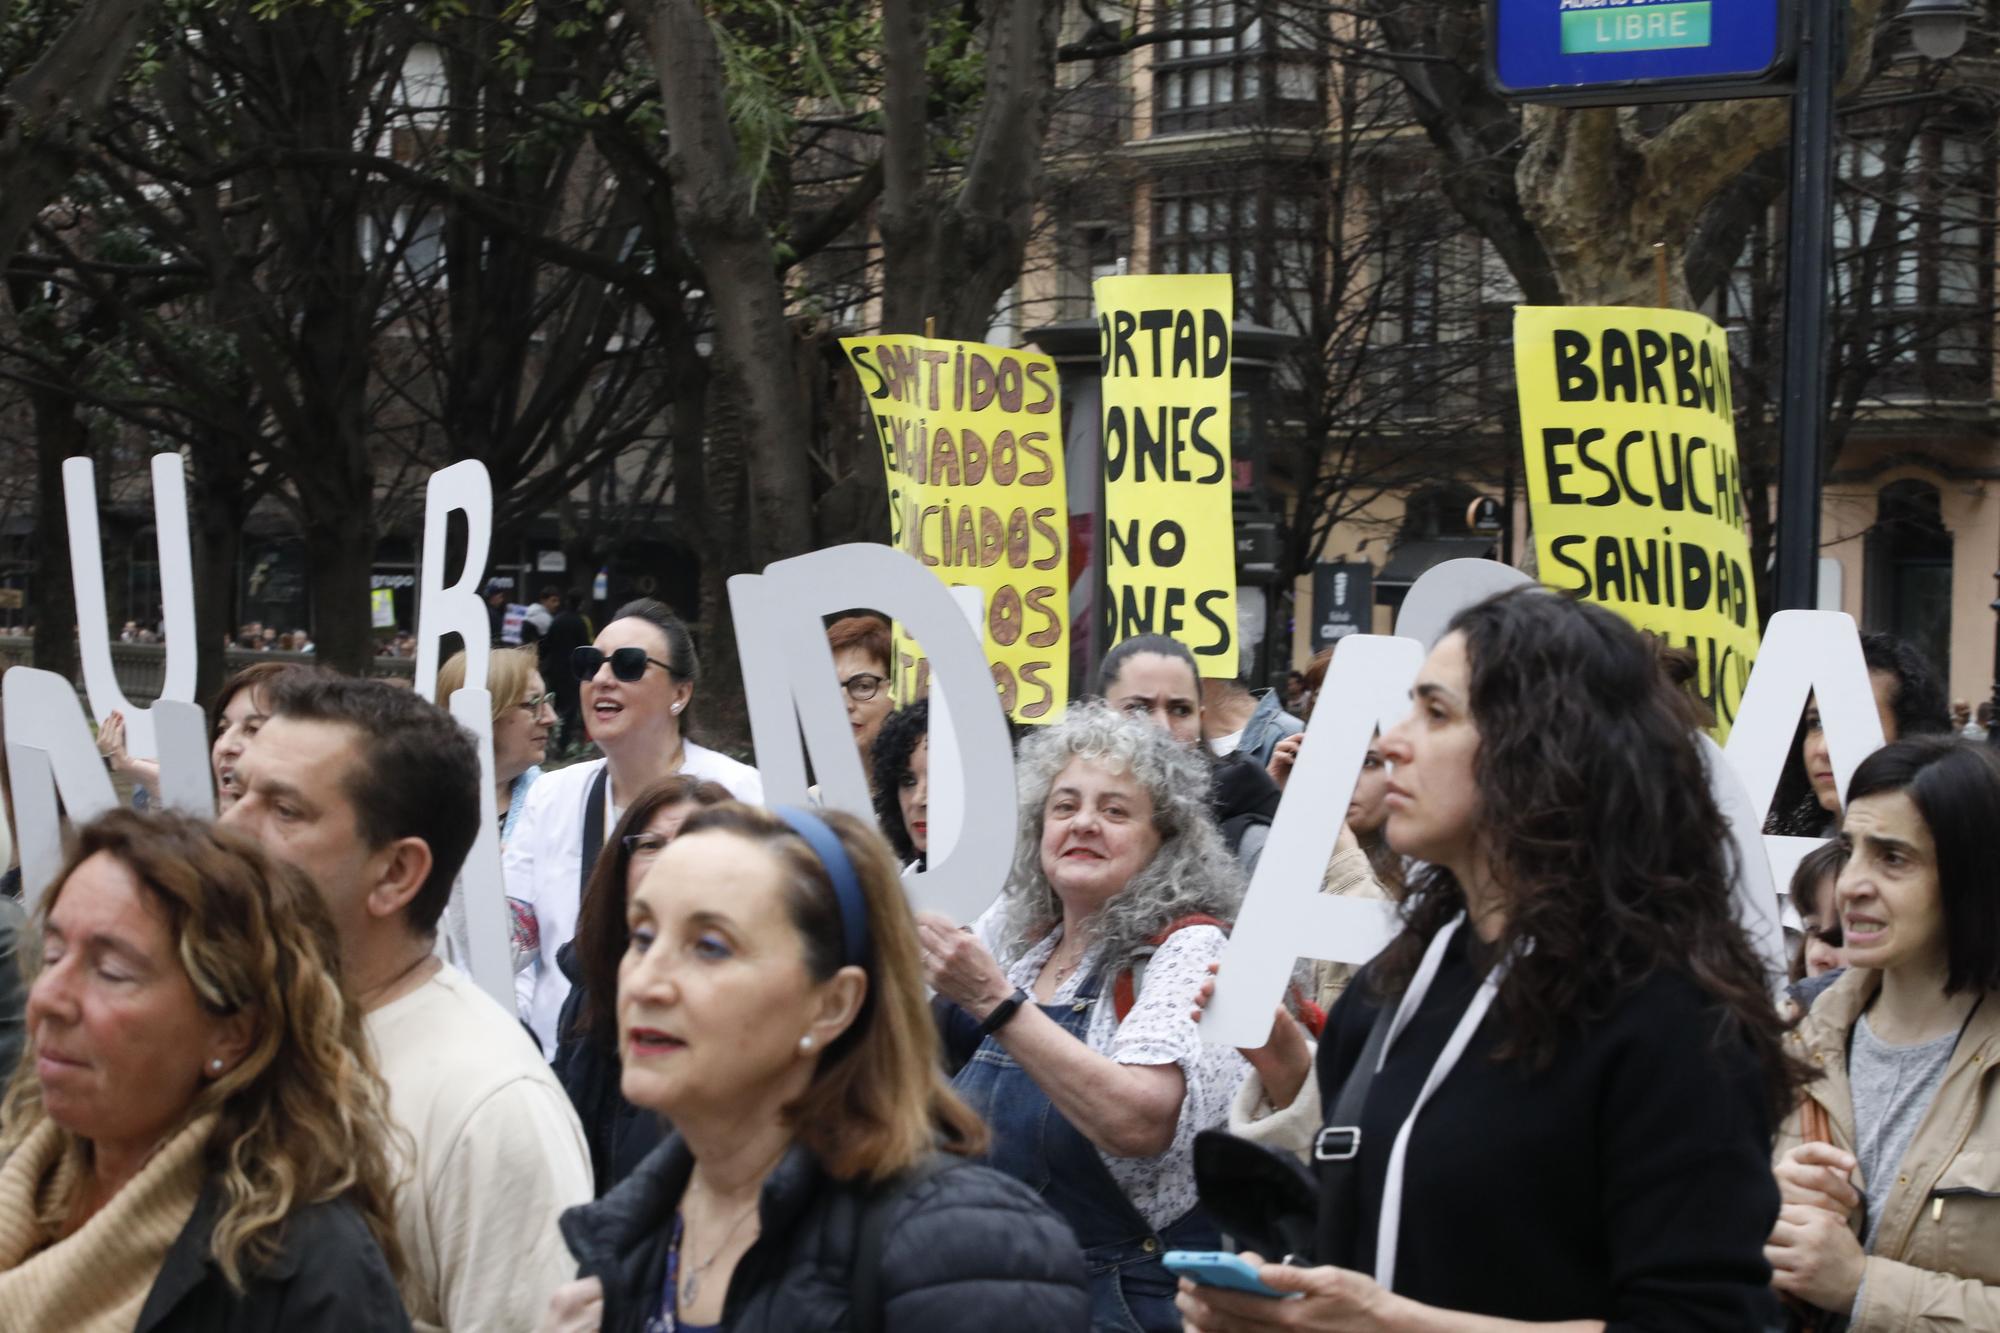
x,y
1391,1219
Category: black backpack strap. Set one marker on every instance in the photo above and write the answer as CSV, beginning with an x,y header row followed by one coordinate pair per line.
x,y
593,829
1337,1147
864,1287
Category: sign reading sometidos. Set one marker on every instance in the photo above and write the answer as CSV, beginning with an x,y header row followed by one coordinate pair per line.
x,y
1170,550
1633,481
972,441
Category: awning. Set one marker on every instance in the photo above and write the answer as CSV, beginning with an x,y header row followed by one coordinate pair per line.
x,y
1409,561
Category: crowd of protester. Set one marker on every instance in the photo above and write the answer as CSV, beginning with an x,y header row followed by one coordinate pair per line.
x,y
742,1085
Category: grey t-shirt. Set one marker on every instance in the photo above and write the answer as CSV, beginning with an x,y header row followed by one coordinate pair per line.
x,y
1893,1087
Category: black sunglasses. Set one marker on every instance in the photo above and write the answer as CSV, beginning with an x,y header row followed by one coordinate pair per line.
x,y
626,663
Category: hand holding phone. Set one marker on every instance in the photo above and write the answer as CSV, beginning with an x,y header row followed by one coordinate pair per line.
x,y
1215,1268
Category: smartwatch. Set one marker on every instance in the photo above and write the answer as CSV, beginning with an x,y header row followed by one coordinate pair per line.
x,y
1003,1012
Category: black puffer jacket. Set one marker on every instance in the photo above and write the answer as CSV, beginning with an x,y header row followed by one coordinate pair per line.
x,y
328,1277
968,1250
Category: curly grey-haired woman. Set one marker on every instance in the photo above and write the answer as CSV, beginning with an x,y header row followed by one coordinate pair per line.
x,y
1072,996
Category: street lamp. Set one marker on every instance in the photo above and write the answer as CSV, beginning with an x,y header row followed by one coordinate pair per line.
x,y
1937,27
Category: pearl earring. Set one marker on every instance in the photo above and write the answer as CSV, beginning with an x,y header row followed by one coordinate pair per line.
x,y
215,1066
806,1045
676,708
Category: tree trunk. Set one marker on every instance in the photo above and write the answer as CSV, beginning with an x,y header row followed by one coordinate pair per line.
x,y
340,551
216,529
47,111
59,434
722,712
953,242
754,344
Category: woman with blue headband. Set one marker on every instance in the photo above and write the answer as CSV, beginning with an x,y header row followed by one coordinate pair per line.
x,y
772,1006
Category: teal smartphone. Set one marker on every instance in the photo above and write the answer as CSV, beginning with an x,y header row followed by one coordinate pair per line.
x,y
1214,1268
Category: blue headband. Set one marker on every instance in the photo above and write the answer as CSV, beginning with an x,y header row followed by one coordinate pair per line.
x,y
826,845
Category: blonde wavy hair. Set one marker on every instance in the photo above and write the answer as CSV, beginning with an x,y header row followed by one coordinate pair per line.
x,y
507,672
304,1117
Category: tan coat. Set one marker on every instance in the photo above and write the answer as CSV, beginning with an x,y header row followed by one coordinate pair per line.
x,y
1936,1264
1348,875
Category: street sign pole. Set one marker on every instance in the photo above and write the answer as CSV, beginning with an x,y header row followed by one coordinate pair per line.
x,y
1809,228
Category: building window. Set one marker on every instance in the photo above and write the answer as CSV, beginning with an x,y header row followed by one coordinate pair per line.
x,y
1258,230
1439,308
1912,235
1907,555
1264,69
414,239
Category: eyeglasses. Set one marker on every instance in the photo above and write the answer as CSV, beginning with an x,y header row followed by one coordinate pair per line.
x,y
643,846
535,703
627,664
863,686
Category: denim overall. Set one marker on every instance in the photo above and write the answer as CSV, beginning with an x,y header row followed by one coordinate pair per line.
x,y
1130,1289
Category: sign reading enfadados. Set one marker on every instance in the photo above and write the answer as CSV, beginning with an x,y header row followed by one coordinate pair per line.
x,y
1633,482
1170,549
972,440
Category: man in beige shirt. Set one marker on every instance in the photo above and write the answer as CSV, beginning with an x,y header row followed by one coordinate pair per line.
x,y
373,793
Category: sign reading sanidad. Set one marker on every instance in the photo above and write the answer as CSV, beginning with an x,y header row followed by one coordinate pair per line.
x,y
1634,487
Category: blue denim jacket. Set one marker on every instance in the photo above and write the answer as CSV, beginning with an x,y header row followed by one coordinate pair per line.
x,y
1268,725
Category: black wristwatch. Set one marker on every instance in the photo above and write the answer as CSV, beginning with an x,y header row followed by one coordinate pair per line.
x,y
1003,1012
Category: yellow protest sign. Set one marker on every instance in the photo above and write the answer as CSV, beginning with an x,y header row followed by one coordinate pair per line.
x,y
971,437
1633,480
1170,540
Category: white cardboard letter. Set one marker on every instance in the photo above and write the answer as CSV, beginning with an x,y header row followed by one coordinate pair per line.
x,y
479,899
1803,652
187,778
466,487
1285,916
86,554
789,683
49,750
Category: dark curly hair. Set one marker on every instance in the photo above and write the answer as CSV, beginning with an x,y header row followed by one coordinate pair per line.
x,y
1600,830
1918,705
889,763
1955,785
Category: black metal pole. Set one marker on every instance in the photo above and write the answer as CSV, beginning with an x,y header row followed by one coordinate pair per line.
x,y
1807,273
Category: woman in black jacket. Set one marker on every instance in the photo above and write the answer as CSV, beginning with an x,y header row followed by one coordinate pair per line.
x,y
196,1139
1552,1100
772,1007
586,1060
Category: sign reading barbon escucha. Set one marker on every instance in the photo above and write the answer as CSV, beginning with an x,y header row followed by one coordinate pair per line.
x,y
971,439
1633,481
1170,543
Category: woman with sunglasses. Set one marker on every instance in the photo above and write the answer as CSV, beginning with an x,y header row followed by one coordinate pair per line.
x,y
635,684
586,1060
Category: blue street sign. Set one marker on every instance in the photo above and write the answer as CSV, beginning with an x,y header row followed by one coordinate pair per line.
x,y
1619,52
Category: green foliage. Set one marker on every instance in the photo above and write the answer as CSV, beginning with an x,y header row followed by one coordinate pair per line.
x,y
778,56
